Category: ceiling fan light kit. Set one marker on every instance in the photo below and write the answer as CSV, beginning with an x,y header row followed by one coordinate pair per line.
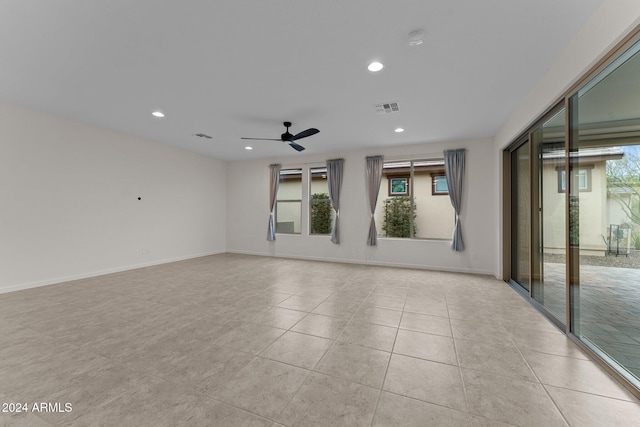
x,y
290,138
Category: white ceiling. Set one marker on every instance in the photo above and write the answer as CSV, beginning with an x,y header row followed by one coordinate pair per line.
x,y
240,68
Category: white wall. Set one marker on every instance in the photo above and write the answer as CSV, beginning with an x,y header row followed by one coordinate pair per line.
x,y
248,213
69,201
69,191
611,22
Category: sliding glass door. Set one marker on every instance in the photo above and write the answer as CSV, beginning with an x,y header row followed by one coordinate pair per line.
x,y
604,186
521,215
538,247
573,192
548,211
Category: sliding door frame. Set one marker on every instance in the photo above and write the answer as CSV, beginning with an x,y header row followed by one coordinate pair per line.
x,y
527,136
572,254
508,212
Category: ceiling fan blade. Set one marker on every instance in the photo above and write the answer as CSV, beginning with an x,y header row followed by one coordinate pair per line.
x,y
296,147
263,139
304,134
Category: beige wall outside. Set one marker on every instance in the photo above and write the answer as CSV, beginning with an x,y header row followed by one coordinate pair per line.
x,y
594,206
435,215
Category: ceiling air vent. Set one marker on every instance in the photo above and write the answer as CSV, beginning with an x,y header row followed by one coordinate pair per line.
x,y
202,135
387,108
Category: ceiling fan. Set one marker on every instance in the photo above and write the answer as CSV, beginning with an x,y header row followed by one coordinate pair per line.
x,y
289,138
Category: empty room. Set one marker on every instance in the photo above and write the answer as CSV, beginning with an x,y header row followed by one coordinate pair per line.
x,y
295,213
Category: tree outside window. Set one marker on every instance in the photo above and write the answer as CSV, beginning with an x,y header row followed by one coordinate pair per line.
x,y
320,209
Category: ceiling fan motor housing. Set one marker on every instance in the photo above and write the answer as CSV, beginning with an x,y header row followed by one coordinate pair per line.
x,y
290,138
286,136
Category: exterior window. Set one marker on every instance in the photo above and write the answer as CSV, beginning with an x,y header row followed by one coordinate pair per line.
x,y
583,179
320,209
289,202
398,185
440,186
409,205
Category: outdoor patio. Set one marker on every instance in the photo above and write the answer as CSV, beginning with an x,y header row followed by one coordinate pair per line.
x,y
609,304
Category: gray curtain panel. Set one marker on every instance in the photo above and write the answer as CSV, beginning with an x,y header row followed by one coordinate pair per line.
x,y
334,176
374,177
273,192
454,169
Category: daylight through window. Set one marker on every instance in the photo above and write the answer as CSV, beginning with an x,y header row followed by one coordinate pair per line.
x,y
409,202
289,202
320,209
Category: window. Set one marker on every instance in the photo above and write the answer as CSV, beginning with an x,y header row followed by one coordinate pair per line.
x,y
320,209
583,179
409,205
289,202
398,185
439,184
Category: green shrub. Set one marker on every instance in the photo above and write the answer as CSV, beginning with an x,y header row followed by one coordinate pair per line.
x,y
574,221
398,217
635,236
321,210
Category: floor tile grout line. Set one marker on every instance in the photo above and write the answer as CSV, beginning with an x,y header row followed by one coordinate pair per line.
x,y
147,373
214,396
349,321
386,371
314,371
455,349
540,382
602,396
310,372
435,404
544,385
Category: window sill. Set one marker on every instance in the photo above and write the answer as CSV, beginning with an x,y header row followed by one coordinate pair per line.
x,y
416,239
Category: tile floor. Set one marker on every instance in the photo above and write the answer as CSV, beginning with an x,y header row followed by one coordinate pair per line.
x,y
234,340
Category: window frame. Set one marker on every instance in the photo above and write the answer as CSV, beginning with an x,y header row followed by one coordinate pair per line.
x,y
562,178
434,191
280,181
318,170
407,169
391,177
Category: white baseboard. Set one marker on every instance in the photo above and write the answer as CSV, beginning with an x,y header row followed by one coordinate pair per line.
x,y
56,280
86,275
373,262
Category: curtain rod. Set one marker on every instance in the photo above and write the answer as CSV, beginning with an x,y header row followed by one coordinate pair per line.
x,y
320,163
421,156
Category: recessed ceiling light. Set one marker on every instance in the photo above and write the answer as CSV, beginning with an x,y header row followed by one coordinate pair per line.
x,y
375,66
248,148
158,114
398,130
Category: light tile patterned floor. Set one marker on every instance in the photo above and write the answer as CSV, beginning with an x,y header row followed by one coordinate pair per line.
x,y
234,340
